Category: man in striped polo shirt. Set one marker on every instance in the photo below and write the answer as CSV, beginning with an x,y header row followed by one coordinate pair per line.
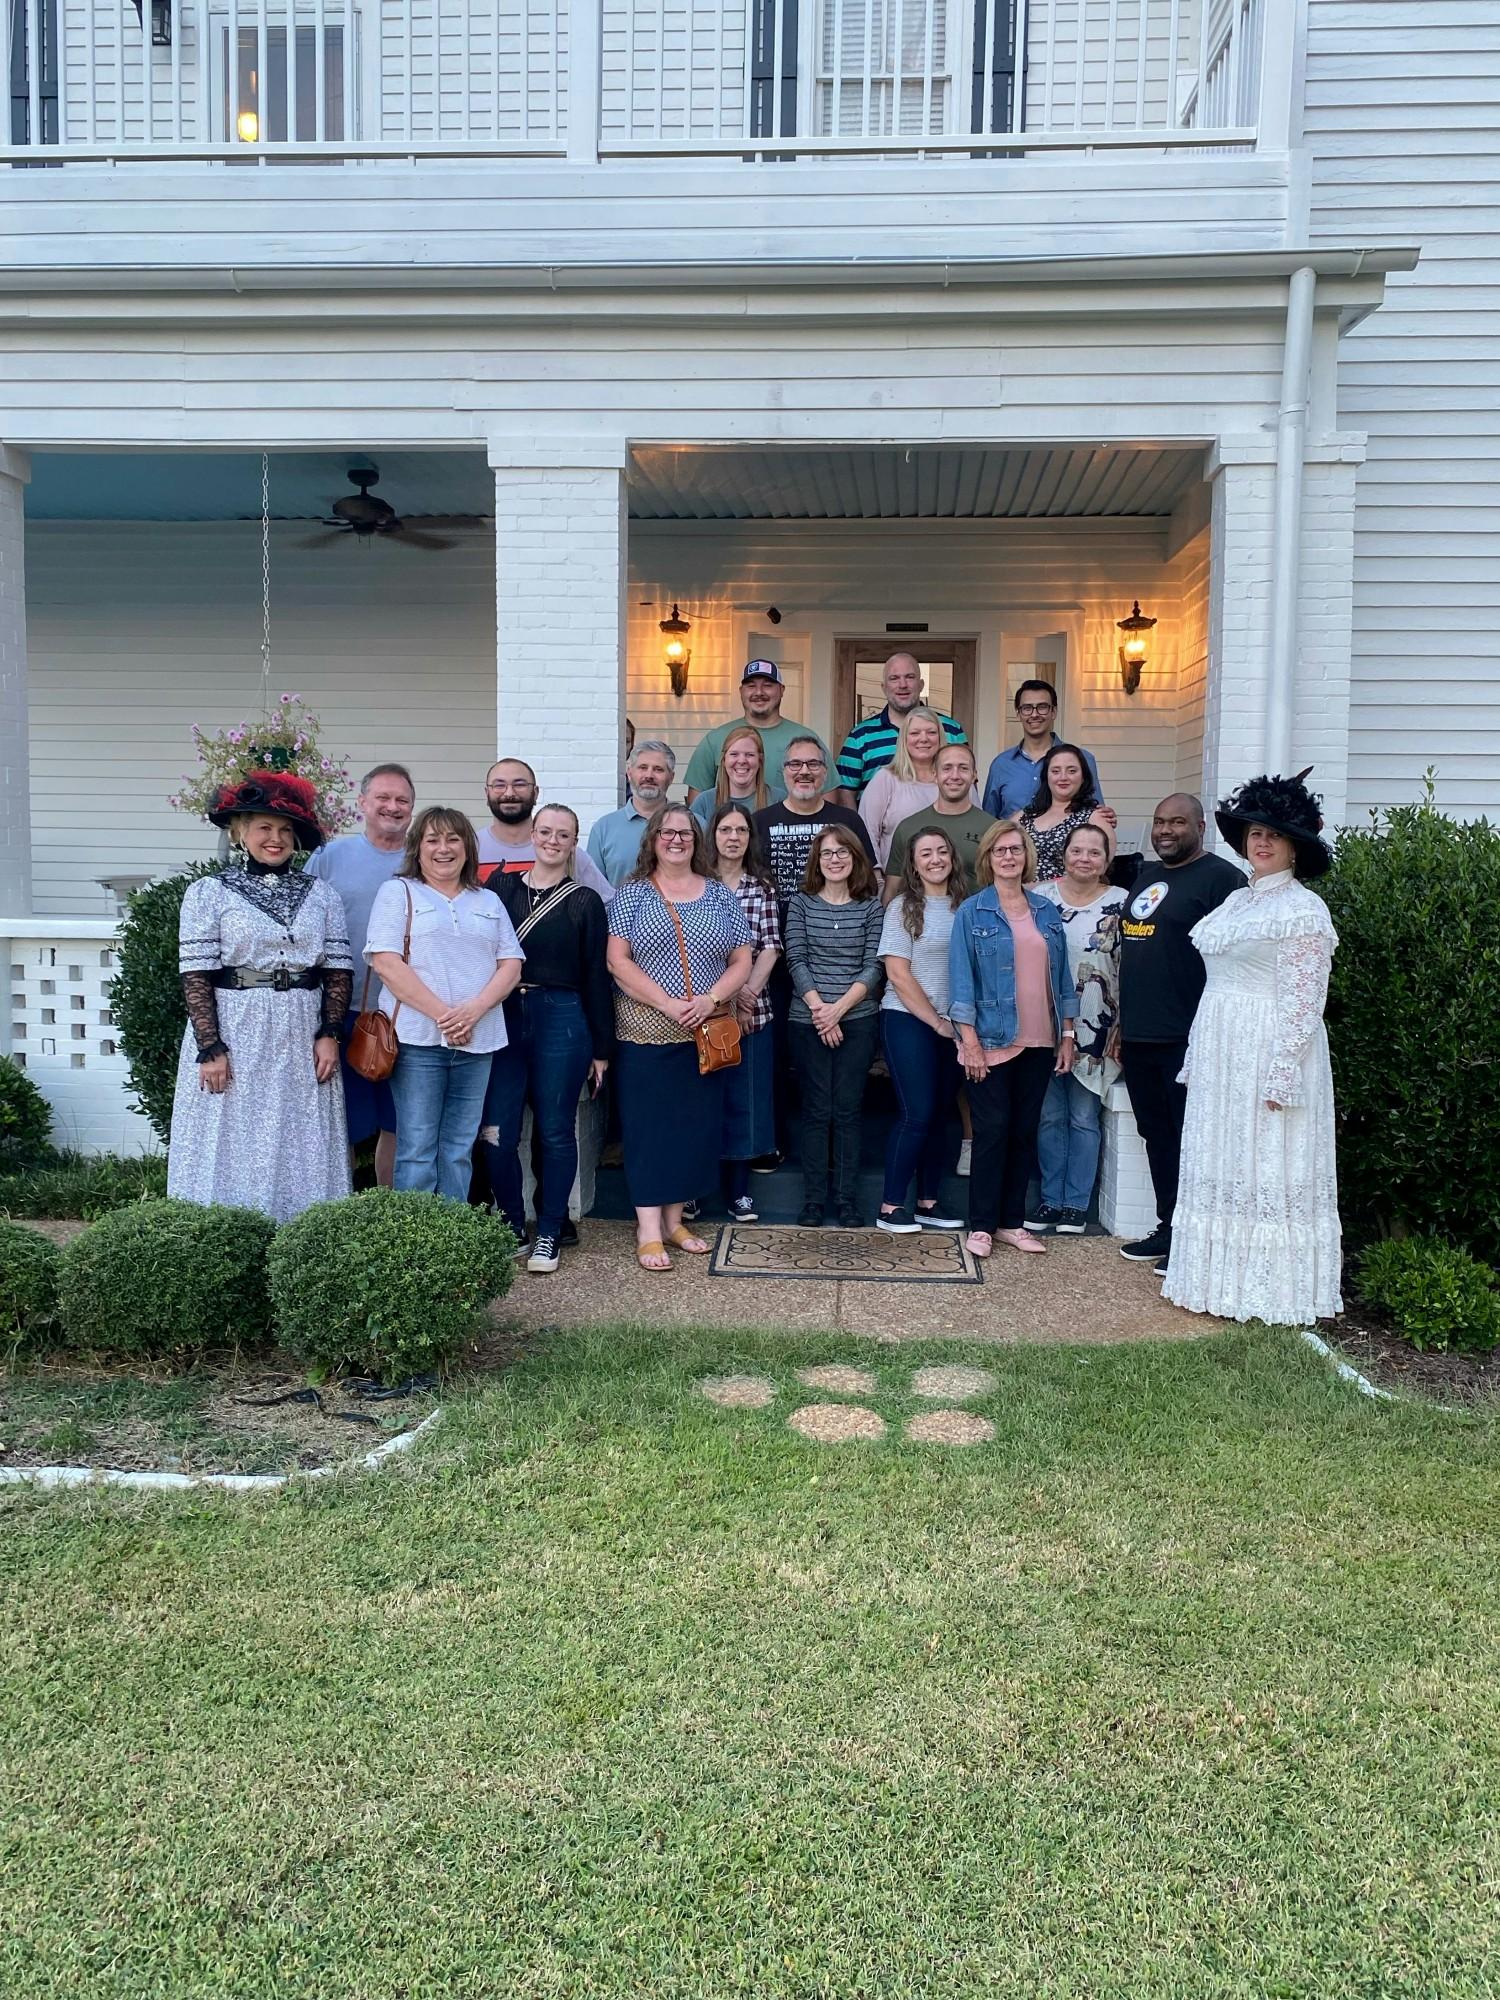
x,y
871,744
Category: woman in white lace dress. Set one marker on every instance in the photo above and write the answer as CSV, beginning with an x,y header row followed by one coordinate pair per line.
x,y
1256,1233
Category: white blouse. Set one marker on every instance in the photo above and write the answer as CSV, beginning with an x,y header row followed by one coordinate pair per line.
x,y
456,943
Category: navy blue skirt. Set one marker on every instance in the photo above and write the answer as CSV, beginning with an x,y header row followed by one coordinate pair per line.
x,y
671,1122
749,1107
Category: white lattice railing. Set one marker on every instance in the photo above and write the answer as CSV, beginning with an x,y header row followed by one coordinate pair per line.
x,y
250,82
58,1025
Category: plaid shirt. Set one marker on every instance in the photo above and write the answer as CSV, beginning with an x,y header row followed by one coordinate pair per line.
x,y
759,906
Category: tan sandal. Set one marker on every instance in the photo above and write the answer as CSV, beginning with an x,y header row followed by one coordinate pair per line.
x,y
684,1239
652,1249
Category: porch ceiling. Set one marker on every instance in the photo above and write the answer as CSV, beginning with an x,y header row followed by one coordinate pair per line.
x,y
667,483
893,482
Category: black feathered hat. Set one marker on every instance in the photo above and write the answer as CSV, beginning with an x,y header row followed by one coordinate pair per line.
x,y
1287,807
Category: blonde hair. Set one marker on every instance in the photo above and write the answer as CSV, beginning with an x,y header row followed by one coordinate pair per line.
x,y
901,764
722,792
984,873
555,808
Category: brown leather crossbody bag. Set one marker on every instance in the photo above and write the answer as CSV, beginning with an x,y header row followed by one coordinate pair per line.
x,y
372,1047
718,1038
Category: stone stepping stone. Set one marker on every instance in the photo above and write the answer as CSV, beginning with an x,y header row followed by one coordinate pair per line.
x,y
841,1380
738,1392
837,1423
950,1427
952,1385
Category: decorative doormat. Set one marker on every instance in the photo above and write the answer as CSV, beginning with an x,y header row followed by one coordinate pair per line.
x,y
864,1256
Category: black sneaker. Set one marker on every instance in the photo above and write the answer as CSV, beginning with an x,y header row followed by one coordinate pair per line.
x,y
1071,1222
569,1237
690,1211
849,1218
932,1218
1159,1268
1046,1219
811,1216
898,1222
743,1210
767,1163
1148,1248
545,1254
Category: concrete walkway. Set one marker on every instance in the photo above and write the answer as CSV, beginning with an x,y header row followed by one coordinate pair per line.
x,y
1082,1290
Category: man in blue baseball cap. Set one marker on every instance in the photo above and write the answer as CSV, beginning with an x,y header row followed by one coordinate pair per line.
x,y
761,691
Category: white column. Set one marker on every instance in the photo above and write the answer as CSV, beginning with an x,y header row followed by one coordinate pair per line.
x,y
1242,476
15,737
560,566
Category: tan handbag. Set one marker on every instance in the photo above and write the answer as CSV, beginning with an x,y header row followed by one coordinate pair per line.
x,y
372,1047
719,1037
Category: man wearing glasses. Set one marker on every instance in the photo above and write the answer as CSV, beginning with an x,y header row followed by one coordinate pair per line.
x,y
510,792
1011,784
787,831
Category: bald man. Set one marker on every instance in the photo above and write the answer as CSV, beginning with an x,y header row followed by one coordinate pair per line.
x,y
1161,981
871,744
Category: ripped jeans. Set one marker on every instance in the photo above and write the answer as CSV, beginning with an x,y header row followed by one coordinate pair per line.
x,y
544,1063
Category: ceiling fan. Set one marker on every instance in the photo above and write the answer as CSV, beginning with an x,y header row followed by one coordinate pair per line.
x,y
365,516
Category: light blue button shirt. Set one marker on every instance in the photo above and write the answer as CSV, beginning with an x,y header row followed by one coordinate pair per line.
x,y
1011,784
615,841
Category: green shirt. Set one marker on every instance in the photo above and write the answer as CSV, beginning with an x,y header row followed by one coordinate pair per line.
x,y
778,737
965,830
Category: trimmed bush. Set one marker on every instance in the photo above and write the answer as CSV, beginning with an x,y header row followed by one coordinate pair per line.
x,y
1438,1296
167,1280
28,1286
25,1119
386,1283
146,994
1414,1026
72,1187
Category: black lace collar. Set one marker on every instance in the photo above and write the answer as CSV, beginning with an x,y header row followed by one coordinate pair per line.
x,y
277,893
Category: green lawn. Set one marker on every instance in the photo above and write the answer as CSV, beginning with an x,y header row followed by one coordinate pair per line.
x,y
1185,1686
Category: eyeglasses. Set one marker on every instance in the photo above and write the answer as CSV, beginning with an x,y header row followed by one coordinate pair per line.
x,y
805,764
676,835
509,785
1034,708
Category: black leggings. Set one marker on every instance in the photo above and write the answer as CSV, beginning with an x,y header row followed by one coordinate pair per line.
x,y
833,1086
1006,1109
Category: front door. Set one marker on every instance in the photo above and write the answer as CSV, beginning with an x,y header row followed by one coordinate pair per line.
x,y
947,678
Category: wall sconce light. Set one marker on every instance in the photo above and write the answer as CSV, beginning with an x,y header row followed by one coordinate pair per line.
x,y
247,128
1134,649
161,22
676,651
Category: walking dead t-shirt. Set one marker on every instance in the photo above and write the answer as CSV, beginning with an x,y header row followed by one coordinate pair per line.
x,y
1161,974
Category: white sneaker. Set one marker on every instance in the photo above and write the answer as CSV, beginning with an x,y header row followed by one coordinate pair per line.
x,y
965,1154
544,1254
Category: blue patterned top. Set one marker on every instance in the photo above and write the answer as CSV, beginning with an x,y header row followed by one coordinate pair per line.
x,y
713,927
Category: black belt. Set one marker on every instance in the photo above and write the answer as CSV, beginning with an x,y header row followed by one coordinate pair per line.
x,y
284,979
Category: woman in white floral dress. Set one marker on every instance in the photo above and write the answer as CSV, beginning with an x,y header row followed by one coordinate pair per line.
x,y
258,1116
1256,1232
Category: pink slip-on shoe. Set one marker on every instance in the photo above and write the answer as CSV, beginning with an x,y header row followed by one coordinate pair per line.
x,y
1020,1239
979,1243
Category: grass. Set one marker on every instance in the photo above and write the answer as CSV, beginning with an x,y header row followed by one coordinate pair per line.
x,y
80,1187
1185,1686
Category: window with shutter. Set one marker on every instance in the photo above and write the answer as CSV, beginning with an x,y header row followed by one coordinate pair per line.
x,y
774,26
33,99
882,66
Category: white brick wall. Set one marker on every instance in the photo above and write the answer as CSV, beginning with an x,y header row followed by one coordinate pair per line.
x,y
15,735
560,628
1127,1202
1234,710
1320,712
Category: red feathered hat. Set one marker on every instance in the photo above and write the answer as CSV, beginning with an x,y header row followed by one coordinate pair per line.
x,y
279,792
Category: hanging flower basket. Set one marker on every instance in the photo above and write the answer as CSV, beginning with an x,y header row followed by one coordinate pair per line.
x,y
286,741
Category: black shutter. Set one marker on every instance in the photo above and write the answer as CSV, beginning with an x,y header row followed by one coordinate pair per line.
x,y
1002,67
768,91
20,73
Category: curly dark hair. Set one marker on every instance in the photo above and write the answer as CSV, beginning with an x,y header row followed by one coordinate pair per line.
x,y
1088,794
914,889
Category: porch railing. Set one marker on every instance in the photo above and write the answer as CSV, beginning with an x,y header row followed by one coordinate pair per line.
x,y
255,81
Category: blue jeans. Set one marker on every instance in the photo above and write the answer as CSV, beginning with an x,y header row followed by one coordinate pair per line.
x,y
1067,1144
439,1095
544,1064
926,1075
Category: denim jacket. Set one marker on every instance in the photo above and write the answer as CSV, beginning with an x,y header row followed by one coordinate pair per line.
x,y
982,967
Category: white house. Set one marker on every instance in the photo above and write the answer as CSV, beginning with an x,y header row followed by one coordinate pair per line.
x,y
838,323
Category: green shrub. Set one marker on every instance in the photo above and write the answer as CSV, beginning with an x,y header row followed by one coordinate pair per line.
x,y
1438,1296
28,1286
25,1120
146,994
167,1280
386,1283
1414,1025
75,1187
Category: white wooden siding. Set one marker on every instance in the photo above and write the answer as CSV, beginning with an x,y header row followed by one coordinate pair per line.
x,y
470,69
1402,123
1190,578
672,70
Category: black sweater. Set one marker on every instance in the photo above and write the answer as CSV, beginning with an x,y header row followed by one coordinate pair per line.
x,y
565,950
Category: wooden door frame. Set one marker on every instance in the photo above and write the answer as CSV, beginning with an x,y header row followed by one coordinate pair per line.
x,y
960,654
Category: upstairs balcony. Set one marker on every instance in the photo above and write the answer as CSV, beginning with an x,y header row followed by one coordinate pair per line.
x,y
260,83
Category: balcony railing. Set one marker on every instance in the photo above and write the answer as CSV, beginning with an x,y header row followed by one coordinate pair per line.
x,y
257,81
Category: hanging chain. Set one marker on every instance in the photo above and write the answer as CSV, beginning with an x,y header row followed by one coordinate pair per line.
x,y
265,586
